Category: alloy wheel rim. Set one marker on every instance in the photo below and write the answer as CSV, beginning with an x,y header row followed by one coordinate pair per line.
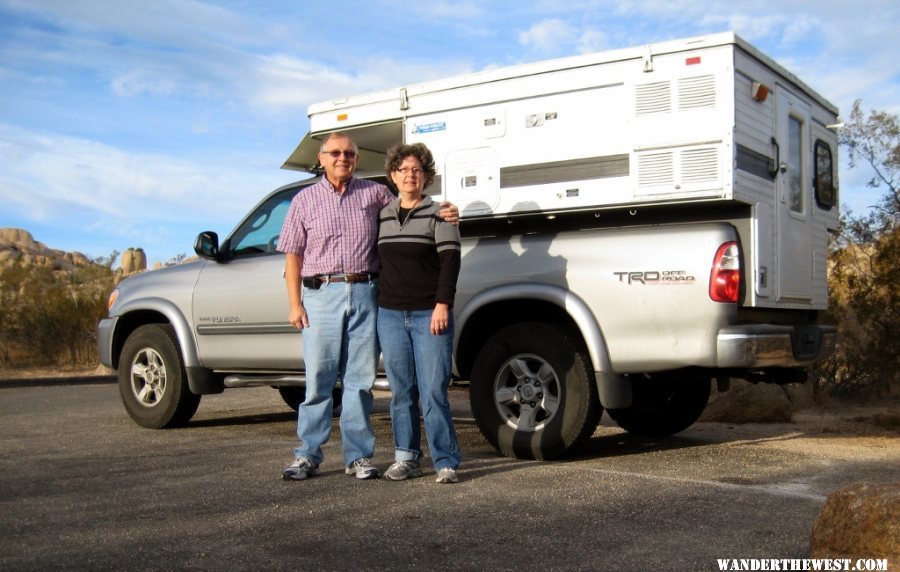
x,y
148,377
527,392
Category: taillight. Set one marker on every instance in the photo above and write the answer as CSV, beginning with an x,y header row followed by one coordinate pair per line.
x,y
725,277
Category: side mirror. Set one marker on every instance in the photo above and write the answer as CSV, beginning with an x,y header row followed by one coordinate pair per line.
x,y
207,245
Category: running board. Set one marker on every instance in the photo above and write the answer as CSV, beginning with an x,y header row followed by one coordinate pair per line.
x,y
283,380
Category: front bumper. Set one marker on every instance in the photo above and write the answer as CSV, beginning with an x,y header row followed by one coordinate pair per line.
x,y
770,345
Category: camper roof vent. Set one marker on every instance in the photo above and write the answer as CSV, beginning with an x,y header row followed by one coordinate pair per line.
x,y
653,98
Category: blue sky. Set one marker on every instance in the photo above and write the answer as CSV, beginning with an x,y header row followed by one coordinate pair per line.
x,y
129,123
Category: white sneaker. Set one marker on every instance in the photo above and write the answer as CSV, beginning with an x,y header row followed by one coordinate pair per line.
x,y
301,469
362,468
447,476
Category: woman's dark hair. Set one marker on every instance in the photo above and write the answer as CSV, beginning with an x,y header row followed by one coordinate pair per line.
x,y
399,152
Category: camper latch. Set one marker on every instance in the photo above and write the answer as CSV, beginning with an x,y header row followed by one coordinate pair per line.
x,y
404,99
648,59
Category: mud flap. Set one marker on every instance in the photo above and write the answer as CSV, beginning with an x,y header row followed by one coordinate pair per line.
x,y
614,390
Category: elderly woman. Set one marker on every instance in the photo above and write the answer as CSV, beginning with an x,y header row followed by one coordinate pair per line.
x,y
420,258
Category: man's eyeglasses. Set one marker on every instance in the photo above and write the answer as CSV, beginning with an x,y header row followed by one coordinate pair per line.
x,y
336,154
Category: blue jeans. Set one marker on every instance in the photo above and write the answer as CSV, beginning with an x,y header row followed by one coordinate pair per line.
x,y
418,365
341,341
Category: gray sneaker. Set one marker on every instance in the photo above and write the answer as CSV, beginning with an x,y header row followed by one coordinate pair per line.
x,y
402,470
362,468
447,476
301,469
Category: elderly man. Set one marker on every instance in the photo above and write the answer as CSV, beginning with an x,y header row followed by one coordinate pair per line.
x,y
329,240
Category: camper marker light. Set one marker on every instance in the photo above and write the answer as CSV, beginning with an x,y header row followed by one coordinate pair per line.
x,y
725,276
692,61
759,91
342,117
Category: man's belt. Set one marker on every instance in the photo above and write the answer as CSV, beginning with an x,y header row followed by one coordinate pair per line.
x,y
351,278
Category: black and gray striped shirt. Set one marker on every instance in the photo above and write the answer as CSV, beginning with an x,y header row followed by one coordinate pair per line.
x,y
420,257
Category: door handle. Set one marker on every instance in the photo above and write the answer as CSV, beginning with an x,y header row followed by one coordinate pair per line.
x,y
778,166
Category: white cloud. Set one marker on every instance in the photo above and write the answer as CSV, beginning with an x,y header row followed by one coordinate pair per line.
x,y
592,40
285,81
141,82
151,24
547,35
452,10
50,176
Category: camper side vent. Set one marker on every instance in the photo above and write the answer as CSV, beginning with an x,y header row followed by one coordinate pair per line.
x,y
699,165
696,92
653,98
655,169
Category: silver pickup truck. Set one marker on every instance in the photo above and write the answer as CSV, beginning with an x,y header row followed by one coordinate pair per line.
x,y
557,319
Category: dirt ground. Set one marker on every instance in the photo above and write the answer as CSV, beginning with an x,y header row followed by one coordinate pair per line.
x,y
54,372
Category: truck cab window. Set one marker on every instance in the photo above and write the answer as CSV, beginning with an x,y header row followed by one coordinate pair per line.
x,y
259,232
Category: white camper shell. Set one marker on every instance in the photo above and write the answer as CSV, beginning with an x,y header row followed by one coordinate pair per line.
x,y
703,121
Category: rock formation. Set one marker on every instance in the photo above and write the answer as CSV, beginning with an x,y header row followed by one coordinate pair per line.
x,y
17,246
133,261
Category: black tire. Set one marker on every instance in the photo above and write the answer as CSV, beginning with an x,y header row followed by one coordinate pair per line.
x,y
152,380
663,404
293,396
532,392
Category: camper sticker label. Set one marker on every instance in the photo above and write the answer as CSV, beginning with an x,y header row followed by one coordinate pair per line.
x,y
431,127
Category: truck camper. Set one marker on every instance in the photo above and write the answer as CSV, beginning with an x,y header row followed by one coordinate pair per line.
x,y
707,125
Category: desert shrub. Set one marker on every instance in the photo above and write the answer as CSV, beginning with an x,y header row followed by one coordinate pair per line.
x,y
49,316
865,304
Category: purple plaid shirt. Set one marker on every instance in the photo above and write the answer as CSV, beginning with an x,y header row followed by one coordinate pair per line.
x,y
335,233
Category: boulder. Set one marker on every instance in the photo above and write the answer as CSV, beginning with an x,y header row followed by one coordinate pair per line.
x,y
746,402
140,260
128,261
859,521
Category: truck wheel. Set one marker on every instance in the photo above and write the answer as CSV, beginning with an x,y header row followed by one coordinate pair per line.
x,y
294,396
663,404
152,381
533,393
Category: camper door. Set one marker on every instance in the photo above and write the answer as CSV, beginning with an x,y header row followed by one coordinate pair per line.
x,y
794,237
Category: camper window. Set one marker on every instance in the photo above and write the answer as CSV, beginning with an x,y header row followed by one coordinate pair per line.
x,y
826,194
795,165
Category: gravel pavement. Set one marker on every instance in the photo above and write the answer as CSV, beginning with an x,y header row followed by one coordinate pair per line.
x,y
85,488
